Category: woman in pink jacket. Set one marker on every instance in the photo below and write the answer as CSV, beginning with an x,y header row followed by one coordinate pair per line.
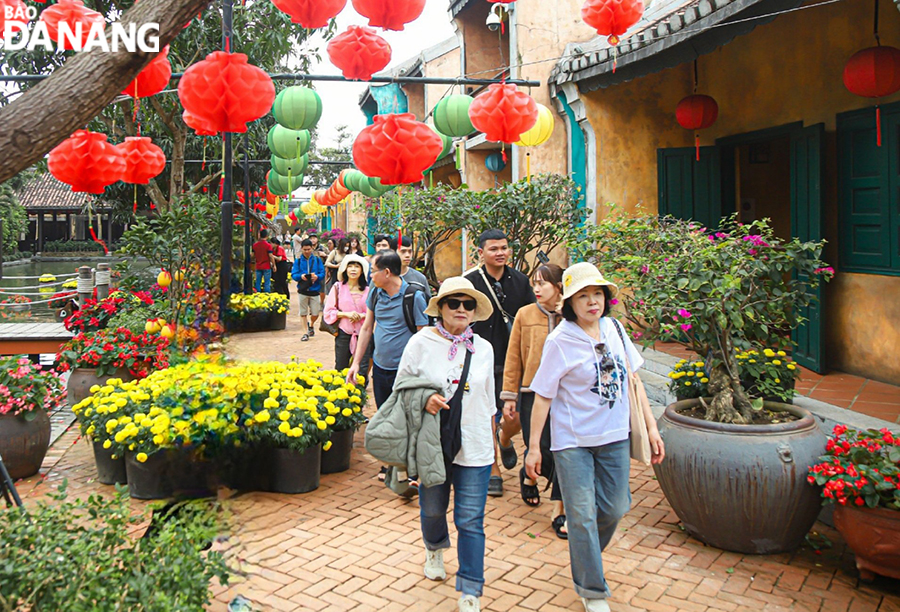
x,y
346,304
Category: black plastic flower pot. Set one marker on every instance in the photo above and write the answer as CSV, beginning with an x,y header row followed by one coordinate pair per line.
x,y
192,476
337,458
257,320
278,321
245,468
294,471
109,471
150,479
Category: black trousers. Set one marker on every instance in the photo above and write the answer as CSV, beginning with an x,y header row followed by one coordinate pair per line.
x,y
343,357
526,403
280,278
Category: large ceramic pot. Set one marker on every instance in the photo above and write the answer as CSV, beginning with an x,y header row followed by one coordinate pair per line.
x,y
294,471
741,487
874,536
24,443
109,471
82,379
150,479
337,458
278,320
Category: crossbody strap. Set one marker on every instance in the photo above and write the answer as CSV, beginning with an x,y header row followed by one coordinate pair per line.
x,y
618,327
461,388
494,295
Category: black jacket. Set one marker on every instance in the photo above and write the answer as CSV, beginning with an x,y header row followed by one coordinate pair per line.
x,y
517,293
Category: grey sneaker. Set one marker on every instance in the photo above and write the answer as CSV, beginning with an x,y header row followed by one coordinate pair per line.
x,y
469,603
434,565
304,338
595,605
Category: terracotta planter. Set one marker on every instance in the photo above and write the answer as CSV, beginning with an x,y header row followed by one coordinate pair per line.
x,y
337,458
741,487
294,471
874,536
109,471
23,444
82,379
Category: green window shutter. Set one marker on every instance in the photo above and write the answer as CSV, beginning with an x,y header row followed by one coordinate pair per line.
x,y
688,188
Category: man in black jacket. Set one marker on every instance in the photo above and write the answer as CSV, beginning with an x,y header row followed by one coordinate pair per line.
x,y
508,290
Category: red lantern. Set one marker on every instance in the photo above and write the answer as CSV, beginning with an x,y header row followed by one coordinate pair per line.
x,y
359,52
697,112
612,18
874,73
396,148
311,14
225,92
200,127
86,162
71,12
389,14
143,160
503,113
153,78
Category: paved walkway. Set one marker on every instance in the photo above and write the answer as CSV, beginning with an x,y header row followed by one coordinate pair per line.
x,y
353,545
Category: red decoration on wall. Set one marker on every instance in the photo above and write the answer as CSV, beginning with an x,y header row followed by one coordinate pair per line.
x,y
697,112
396,148
389,14
612,18
143,160
224,92
503,113
153,78
87,162
311,13
359,52
71,12
874,73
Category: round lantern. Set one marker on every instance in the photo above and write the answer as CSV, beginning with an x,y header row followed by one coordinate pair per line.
x,y
451,116
200,127
372,187
311,14
697,112
352,179
153,78
874,73
143,160
297,108
288,144
446,142
542,130
494,162
292,167
503,113
270,197
226,92
71,12
396,148
612,18
86,162
389,14
359,52
279,184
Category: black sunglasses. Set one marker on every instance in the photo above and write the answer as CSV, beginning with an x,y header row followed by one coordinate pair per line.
x,y
454,303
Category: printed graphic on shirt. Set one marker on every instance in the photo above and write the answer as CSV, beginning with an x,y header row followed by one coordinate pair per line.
x,y
610,380
453,381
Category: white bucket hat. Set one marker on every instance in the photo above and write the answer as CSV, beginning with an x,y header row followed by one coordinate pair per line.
x,y
457,285
585,274
349,259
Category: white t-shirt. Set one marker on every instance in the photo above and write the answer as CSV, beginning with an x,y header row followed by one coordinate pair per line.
x,y
426,356
589,390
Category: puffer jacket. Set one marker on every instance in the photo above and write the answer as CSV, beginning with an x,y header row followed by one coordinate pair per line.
x,y
402,434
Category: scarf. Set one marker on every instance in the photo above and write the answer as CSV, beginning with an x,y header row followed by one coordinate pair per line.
x,y
464,338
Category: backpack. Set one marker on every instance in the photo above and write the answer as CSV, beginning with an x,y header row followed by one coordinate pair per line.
x,y
409,305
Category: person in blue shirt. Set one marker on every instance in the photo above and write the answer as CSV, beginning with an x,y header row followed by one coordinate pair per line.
x,y
309,272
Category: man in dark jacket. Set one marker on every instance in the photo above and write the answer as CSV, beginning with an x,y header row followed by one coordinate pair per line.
x,y
309,272
508,290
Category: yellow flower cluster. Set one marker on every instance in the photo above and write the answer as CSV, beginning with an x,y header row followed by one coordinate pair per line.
x,y
274,302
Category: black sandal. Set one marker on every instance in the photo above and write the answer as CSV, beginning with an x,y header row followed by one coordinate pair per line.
x,y
530,492
558,523
382,473
507,453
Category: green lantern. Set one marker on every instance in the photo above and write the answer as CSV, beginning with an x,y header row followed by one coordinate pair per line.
x,y
279,185
288,144
297,108
371,187
293,167
447,142
451,116
353,178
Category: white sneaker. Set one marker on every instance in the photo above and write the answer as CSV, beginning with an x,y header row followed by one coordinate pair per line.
x,y
434,565
595,605
469,603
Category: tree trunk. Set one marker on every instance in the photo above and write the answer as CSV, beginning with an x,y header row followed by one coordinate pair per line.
x,y
722,408
50,112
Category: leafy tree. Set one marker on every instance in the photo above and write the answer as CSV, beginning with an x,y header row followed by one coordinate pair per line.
x,y
326,174
15,219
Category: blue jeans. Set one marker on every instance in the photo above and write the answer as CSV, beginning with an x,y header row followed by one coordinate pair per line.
x,y
264,274
470,487
382,384
594,483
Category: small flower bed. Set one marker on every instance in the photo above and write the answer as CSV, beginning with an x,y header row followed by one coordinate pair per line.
x,y
860,468
767,373
689,379
62,299
95,315
240,303
25,387
108,350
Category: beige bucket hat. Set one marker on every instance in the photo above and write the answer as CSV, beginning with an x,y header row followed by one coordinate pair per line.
x,y
349,259
457,285
585,274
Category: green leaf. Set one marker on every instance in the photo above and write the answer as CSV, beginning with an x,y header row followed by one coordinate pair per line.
x,y
757,404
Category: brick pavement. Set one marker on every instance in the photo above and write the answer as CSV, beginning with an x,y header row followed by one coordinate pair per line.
x,y
353,545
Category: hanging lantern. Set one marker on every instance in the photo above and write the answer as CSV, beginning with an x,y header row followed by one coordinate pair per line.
x,y
226,92
697,112
612,18
311,14
278,184
286,143
446,142
297,108
271,211
270,197
87,162
143,160
359,52
396,148
71,12
372,187
503,113
451,116
293,167
874,73
542,130
351,178
153,78
494,162
389,14
200,127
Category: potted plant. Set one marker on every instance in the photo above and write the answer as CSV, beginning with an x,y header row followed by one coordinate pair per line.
x,y
257,312
344,407
860,475
27,394
768,374
96,417
735,465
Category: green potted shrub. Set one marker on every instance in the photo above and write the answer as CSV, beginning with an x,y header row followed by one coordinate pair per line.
x,y
720,294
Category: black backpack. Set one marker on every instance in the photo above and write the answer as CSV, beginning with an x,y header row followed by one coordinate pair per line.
x,y
409,305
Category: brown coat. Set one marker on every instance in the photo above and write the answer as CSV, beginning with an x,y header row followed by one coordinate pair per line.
x,y
526,343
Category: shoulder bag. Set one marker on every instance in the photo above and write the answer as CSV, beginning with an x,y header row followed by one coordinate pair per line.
x,y
637,402
332,328
506,318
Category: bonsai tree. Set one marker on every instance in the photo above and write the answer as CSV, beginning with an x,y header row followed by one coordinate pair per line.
x,y
715,292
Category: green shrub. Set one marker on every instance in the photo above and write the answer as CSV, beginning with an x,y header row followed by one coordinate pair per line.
x,y
72,246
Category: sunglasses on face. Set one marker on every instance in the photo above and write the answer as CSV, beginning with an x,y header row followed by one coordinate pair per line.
x,y
454,304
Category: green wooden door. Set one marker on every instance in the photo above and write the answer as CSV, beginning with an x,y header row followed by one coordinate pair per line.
x,y
688,188
806,224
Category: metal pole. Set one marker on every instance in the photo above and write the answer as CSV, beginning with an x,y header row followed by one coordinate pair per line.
x,y
19,78
248,283
227,203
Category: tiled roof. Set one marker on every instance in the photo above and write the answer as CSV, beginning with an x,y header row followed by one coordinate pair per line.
x,y
45,192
